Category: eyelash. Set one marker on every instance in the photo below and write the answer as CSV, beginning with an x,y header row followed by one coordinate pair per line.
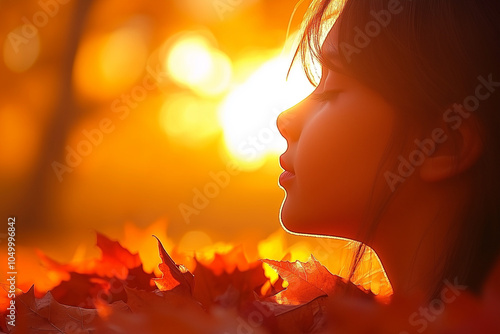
x,y
326,96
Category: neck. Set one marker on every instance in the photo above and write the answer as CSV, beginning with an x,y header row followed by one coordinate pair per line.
x,y
414,235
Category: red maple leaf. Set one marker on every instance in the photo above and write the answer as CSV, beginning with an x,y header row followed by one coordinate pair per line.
x,y
115,261
228,289
46,315
307,281
232,295
101,279
174,277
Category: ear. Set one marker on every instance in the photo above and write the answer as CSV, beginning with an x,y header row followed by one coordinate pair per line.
x,y
457,153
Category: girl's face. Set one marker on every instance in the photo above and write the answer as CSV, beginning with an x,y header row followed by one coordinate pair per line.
x,y
336,139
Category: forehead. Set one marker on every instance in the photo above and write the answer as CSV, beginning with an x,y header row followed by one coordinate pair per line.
x,y
330,56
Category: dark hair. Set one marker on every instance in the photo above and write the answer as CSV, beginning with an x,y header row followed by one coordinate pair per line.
x,y
425,58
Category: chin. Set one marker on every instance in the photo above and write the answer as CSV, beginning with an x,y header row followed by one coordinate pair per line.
x,y
294,224
292,229
291,223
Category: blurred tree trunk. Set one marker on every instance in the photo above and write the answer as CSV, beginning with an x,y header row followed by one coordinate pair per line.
x,y
34,209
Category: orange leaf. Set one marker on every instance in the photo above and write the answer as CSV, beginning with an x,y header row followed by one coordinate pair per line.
x,y
46,315
306,281
174,277
116,261
228,289
115,258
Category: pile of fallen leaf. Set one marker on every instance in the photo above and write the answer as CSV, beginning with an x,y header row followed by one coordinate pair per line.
x,y
113,294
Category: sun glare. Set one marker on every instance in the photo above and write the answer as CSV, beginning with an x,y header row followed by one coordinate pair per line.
x,y
250,92
248,113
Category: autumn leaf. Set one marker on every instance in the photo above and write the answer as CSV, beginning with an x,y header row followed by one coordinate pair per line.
x,y
101,279
228,289
115,261
168,312
85,290
229,280
233,295
306,281
306,318
81,290
174,277
46,315
228,262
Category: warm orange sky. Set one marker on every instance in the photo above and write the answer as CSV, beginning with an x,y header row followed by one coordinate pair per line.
x,y
122,112
147,117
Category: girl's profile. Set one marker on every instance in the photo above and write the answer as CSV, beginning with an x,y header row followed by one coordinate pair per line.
x,y
140,173
398,146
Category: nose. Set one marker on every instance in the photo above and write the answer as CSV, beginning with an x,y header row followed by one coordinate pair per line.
x,y
289,123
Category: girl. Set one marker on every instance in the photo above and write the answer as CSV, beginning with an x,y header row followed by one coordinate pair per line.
x,y
398,146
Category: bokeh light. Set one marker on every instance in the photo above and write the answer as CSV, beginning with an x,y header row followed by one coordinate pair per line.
x,y
107,64
20,49
189,120
192,61
216,74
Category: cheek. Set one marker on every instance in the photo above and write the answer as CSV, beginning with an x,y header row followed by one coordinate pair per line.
x,y
337,158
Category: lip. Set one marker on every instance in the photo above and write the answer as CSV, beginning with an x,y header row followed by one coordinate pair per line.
x,y
285,165
288,174
286,177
